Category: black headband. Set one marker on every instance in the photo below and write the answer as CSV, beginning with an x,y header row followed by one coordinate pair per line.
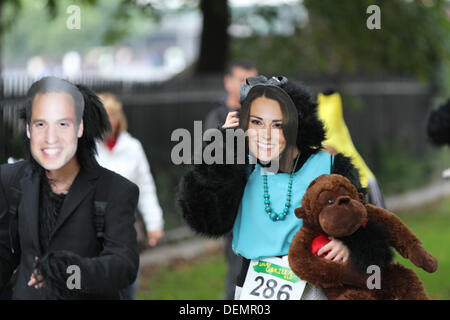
x,y
261,81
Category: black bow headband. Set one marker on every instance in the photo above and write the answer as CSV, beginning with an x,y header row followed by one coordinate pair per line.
x,y
261,81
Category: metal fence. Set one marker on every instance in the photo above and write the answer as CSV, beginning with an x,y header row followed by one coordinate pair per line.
x,y
377,110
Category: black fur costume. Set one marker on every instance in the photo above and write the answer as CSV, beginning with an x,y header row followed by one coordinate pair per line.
x,y
438,126
209,195
369,245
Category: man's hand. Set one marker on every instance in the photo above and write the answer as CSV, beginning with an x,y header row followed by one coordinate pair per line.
x,y
154,236
337,251
36,279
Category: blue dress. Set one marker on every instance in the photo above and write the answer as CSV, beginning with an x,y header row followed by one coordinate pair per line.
x,y
255,235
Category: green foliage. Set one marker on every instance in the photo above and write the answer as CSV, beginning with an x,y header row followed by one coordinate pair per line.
x,y
398,171
413,39
8,11
272,54
128,18
40,27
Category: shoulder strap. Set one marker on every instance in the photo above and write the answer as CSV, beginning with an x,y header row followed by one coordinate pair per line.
x,y
100,203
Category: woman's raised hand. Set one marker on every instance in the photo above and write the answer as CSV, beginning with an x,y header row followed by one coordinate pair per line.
x,y
232,120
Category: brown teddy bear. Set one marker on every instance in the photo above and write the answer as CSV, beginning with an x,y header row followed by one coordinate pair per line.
x,y
332,207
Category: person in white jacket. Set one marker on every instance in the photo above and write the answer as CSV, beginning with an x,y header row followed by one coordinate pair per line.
x,y
124,155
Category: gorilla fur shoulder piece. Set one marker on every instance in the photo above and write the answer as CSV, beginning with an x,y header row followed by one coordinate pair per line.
x,y
209,197
332,207
438,125
53,267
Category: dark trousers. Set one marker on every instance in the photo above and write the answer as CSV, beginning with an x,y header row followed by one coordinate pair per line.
x,y
234,264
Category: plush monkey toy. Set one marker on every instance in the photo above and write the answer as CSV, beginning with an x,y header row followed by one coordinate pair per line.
x,y
332,207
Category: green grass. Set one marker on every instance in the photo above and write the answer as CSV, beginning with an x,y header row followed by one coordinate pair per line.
x,y
203,278
432,226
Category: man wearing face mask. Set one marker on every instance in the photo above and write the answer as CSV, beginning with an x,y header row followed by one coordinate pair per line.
x,y
66,224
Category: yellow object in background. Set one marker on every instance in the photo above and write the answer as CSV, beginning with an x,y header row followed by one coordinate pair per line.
x,y
337,134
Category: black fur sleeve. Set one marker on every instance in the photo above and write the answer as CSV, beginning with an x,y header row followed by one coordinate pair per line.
x,y
343,165
53,267
438,125
209,196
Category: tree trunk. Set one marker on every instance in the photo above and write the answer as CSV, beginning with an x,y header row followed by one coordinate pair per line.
x,y
214,39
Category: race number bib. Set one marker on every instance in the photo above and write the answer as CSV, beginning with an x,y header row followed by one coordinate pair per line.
x,y
271,279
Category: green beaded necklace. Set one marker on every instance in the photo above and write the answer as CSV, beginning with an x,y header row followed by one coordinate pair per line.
x,y
272,214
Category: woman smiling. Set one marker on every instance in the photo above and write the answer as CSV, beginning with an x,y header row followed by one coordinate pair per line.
x,y
256,200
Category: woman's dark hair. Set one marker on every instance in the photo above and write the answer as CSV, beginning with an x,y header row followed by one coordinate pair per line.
x,y
88,108
310,133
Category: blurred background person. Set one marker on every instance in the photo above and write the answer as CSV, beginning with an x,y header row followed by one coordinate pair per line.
x,y
124,154
438,129
338,140
236,74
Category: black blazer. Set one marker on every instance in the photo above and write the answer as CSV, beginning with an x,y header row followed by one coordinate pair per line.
x,y
104,269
